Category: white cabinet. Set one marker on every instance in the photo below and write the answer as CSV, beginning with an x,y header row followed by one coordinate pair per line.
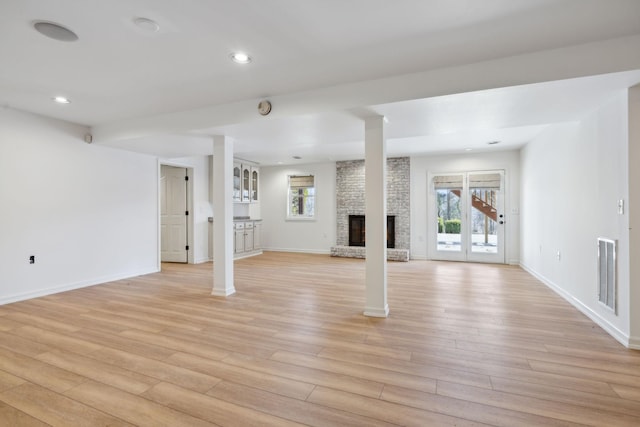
x,y
238,241
247,238
257,235
245,183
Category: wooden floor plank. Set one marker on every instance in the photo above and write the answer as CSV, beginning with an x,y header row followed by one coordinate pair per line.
x,y
56,409
166,372
38,372
212,409
308,375
10,416
130,381
491,415
536,406
8,381
375,374
131,408
383,410
296,410
240,375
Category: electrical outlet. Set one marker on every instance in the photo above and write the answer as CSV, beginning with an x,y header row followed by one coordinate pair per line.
x,y
32,259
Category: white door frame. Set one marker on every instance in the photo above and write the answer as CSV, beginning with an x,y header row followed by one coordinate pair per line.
x,y
190,217
432,218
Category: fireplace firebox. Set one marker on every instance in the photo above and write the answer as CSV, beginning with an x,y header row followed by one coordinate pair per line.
x,y
357,230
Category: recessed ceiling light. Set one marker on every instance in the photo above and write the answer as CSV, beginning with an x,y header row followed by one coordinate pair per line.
x,y
55,31
146,24
493,142
240,57
468,149
61,100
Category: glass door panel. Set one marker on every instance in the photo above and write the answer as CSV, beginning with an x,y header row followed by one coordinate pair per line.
x,y
483,191
449,204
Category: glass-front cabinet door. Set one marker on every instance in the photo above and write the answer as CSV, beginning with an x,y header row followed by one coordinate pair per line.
x,y
237,183
254,184
246,183
466,216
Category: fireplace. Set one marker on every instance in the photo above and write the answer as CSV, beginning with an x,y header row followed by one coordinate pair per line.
x,y
357,231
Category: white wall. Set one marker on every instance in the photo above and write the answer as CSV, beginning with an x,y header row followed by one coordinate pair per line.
x,y
572,177
633,210
280,234
200,204
421,166
88,213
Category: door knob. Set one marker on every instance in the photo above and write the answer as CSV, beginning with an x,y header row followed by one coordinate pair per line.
x,y
501,222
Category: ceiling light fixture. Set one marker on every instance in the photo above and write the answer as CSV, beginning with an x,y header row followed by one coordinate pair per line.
x,y
146,24
61,100
240,58
55,31
468,149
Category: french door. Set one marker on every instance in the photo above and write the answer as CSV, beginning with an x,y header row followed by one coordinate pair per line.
x,y
466,216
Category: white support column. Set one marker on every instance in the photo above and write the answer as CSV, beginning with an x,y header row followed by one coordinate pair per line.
x,y
375,161
223,216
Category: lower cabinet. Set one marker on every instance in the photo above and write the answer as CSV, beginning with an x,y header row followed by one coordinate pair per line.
x,y
247,238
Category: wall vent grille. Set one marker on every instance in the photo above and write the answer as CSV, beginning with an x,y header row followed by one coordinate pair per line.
x,y
607,273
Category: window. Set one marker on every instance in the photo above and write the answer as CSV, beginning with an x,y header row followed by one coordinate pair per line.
x,y
302,197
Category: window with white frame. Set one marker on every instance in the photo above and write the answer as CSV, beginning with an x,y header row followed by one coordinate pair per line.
x,y
302,197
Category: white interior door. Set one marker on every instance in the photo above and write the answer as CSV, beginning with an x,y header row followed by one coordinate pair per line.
x,y
173,214
466,216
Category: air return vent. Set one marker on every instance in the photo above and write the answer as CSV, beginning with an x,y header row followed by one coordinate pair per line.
x,y
607,272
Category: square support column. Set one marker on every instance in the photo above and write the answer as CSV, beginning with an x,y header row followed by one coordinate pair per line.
x,y
223,216
375,160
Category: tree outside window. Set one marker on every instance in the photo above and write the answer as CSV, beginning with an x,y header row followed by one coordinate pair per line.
x,y
302,194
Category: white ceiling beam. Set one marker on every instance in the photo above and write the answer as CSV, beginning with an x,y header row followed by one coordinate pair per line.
x,y
614,55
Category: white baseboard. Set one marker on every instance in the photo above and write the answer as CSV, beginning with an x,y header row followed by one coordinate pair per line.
x,y
69,287
419,257
612,330
376,311
301,251
202,260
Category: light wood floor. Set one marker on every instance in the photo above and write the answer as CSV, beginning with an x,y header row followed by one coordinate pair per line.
x,y
465,344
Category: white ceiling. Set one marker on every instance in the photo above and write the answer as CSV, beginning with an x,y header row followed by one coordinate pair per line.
x,y
116,73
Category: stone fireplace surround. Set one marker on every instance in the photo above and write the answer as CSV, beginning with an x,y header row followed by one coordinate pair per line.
x,y
350,200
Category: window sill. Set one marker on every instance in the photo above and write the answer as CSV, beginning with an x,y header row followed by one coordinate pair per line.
x,y
300,219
